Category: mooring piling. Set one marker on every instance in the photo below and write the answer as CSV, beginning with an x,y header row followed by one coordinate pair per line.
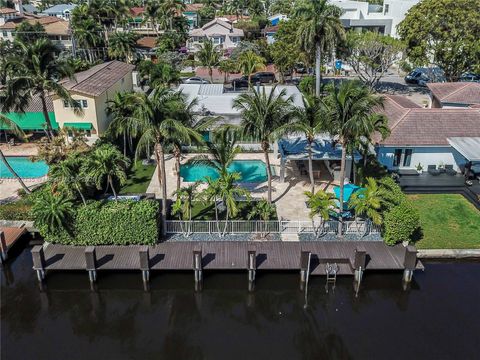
x,y
251,266
91,263
144,265
409,263
305,260
3,247
197,266
38,257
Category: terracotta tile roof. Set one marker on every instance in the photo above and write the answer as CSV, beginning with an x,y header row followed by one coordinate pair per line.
x,y
52,24
270,29
458,92
193,7
416,126
136,11
234,18
98,79
147,42
403,101
7,11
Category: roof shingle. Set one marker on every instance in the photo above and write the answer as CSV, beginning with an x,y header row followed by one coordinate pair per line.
x,y
457,92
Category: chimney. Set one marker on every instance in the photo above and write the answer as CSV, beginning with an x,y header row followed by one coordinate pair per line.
x,y
19,7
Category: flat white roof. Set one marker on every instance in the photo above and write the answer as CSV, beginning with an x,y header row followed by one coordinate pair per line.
x,y
467,146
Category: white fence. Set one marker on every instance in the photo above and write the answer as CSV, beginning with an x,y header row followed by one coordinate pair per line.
x,y
273,226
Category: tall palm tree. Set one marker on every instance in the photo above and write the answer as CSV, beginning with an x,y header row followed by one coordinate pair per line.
x,y
69,173
122,46
369,201
320,204
226,67
212,194
153,12
249,63
36,71
319,28
53,211
6,123
107,163
265,117
86,33
349,107
172,9
158,116
208,55
310,121
121,109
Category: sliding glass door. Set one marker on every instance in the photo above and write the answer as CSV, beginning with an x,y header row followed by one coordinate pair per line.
x,y
402,158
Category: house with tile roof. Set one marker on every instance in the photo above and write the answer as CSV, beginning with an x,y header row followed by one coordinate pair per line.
x,y
62,11
426,136
92,89
222,33
455,95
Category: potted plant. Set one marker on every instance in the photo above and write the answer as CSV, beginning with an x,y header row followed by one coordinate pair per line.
x,y
419,168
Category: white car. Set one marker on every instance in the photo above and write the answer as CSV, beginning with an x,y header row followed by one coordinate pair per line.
x,y
196,80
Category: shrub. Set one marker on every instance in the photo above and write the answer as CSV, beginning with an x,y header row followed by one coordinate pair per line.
x,y
18,210
394,194
112,223
400,222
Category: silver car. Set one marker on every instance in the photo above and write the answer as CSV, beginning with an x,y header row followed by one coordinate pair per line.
x,y
196,80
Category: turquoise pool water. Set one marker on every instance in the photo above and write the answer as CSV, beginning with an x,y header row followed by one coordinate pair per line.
x,y
251,171
24,167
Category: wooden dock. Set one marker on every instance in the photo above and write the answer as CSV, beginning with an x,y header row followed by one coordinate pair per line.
x,y
8,237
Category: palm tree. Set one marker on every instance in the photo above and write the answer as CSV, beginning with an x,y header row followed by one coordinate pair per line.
x,y
369,201
310,121
212,194
158,74
153,12
172,9
263,210
183,204
158,116
229,193
349,107
226,67
249,63
86,32
69,173
319,28
208,55
53,211
36,71
320,204
122,46
106,162
265,117
6,123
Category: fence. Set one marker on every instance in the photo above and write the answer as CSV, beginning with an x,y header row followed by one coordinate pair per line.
x,y
272,226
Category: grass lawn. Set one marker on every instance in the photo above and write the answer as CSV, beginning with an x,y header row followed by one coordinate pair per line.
x,y
448,221
201,211
138,179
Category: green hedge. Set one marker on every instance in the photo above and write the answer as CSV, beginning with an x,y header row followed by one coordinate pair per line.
x,y
111,223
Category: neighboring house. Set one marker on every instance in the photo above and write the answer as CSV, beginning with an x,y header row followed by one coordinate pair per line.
x,y
8,14
275,19
192,15
56,29
92,89
62,11
455,95
222,33
146,47
426,136
269,33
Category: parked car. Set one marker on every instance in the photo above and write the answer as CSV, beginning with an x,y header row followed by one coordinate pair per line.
x,y
263,78
196,80
240,83
470,77
421,76
300,68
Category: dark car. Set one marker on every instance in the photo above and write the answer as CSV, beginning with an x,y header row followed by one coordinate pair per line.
x,y
470,77
240,83
263,78
421,76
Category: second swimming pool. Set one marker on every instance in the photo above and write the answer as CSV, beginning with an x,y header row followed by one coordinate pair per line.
x,y
252,171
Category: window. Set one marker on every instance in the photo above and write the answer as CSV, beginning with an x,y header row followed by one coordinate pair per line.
x,y
5,34
387,7
84,104
407,158
66,104
217,40
397,157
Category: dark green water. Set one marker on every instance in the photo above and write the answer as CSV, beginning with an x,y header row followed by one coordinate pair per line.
x,y
437,318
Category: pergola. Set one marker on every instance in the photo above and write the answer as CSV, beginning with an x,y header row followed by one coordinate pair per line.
x,y
293,149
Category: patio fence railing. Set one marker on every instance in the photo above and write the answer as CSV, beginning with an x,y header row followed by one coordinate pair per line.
x,y
272,226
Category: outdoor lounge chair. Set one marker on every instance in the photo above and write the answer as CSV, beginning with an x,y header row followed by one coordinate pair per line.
x,y
432,170
449,170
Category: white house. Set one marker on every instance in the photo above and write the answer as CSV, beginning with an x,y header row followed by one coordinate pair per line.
x,y
427,136
62,11
221,32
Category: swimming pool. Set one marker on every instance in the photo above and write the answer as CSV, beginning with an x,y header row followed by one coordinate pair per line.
x,y
24,167
252,171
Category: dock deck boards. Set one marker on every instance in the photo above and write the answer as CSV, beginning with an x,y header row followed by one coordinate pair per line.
x,y
230,255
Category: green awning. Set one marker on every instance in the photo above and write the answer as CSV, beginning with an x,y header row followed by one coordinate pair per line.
x,y
30,121
78,125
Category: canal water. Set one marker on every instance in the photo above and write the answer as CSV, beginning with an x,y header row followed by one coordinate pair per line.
x,y
438,317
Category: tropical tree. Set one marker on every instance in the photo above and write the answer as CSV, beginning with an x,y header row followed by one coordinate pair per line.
x,y
184,203
69,175
212,194
319,28
158,116
153,13
6,123
265,117
36,71
309,120
263,210
208,55
53,211
369,201
158,74
249,63
349,107
227,67
171,10
107,164
229,192
320,204
122,45
87,35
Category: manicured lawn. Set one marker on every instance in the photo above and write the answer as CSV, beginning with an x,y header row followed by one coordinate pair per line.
x,y
448,221
138,179
201,211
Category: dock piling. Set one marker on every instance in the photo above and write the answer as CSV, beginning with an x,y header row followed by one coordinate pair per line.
x,y
197,266
305,259
359,264
91,263
3,247
144,265
38,257
409,263
252,267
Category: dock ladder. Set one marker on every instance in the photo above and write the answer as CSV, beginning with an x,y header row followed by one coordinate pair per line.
x,y
331,271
